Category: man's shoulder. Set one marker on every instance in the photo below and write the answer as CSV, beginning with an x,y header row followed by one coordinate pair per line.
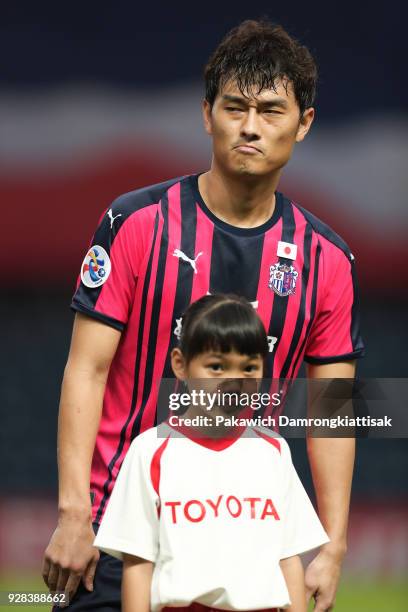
x,y
132,201
323,230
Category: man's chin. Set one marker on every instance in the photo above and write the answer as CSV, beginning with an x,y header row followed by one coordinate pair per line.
x,y
249,169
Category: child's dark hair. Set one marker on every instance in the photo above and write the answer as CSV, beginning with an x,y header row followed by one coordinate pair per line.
x,y
256,54
222,323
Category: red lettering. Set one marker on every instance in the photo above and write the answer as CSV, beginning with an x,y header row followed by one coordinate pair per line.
x,y
214,506
239,506
173,509
233,505
252,501
269,510
187,514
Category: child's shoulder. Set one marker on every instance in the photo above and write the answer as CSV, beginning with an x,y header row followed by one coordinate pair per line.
x,y
149,441
273,438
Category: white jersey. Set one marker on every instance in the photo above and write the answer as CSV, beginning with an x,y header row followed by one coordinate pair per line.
x,y
215,517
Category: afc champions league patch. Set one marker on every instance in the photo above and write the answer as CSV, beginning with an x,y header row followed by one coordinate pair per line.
x,y
96,267
282,279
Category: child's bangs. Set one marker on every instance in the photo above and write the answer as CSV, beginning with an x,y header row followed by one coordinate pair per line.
x,y
229,327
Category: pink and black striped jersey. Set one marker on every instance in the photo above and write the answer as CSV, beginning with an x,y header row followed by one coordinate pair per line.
x,y
160,248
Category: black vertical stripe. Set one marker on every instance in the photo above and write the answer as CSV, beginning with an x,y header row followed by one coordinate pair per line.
x,y
280,304
122,437
302,306
185,274
313,302
235,263
155,317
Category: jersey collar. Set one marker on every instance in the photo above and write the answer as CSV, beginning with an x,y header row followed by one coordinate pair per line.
x,y
232,229
215,444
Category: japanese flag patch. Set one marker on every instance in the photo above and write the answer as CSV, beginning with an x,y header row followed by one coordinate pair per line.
x,y
286,249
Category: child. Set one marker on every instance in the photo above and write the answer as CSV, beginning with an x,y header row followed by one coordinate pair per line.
x,y
208,522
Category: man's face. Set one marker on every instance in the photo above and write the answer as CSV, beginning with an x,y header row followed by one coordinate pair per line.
x,y
255,135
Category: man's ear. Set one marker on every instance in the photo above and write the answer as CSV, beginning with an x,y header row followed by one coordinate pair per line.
x,y
206,109
178,364
305,123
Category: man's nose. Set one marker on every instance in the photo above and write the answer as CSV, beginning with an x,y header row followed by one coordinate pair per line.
x,y
250,125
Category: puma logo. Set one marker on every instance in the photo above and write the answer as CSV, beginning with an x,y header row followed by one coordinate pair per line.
x,y
183,256
111,217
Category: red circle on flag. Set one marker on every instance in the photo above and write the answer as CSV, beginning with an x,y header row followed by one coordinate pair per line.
x,y
287,249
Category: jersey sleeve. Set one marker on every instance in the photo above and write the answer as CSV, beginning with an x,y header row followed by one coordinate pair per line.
x,y
108,275
335,332
302,529
130,523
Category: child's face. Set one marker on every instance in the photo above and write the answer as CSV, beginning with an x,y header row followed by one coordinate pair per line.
x,y
213,371
213,364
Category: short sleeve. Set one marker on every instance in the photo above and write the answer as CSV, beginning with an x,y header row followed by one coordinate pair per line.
x,y
302,529
335,332
130,523
108,275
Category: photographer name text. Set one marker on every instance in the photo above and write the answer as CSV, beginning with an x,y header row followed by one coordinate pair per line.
x,y
281,421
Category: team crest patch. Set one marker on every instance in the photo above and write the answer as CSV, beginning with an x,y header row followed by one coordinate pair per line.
x,y
282,279
96,267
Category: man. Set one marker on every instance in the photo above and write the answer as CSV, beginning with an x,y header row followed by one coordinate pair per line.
x,y
158,249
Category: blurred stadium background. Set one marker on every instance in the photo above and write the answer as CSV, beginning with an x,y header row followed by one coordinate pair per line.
x,y
96,100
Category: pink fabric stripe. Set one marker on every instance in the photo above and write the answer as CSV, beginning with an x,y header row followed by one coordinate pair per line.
x,y
293,300
116,295
265,295
167,302
291,316
309,293
341,344
118,396
200,287
148,316
332,333
204,238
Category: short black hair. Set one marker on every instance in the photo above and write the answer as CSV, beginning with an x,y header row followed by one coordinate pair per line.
x,y
222,322
256,54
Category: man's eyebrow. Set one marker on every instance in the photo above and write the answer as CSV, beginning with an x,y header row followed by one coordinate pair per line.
x,y
237,99
280,102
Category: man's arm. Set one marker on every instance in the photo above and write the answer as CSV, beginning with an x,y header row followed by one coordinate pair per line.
x,y
136,583
331,462
70,554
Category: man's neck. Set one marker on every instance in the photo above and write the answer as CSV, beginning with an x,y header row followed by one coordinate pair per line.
x,y
240,201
